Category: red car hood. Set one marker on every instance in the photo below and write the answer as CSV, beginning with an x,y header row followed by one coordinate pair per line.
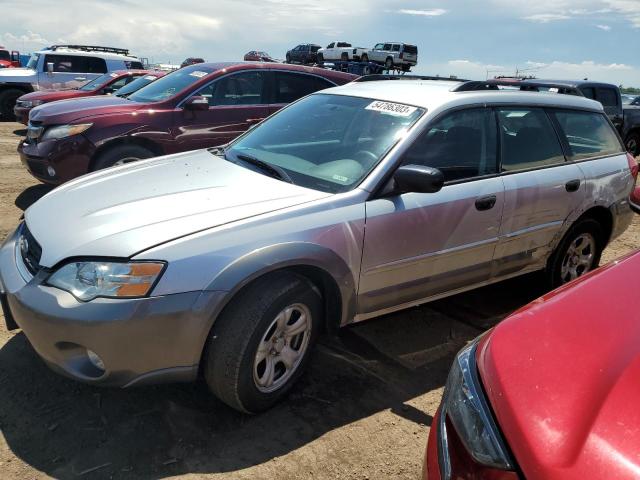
x,y
563,377
53,95
79,108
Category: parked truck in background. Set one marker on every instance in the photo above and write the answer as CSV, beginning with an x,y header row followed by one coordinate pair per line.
x,y
60,67
394,55
9,59
342,51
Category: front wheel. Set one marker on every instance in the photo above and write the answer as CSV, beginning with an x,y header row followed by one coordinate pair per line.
x,y
320,58
632,143
288,59
120,155
8,99
261,343
364,58
578,253
388,64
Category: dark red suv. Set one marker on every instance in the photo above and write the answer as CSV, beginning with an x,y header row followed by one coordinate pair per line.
x,y
198,106
103,85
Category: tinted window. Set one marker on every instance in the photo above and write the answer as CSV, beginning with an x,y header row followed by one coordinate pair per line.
x,y
608,97
315,48
292,86
331,45
95,65
4,55
75,64
238,89
343,44
589,92
528,139
588,134
396,48
461,145
340,140
134,65
387,46
410,49
135,85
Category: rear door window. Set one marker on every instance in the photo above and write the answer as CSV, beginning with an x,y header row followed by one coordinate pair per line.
x,y
396,48
331,45
75,64
462,145
246,88
588,134
527,139
387,46
289,87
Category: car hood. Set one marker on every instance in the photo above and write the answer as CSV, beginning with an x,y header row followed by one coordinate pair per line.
x,y
563,374
15,74
53,95
121,211
76,109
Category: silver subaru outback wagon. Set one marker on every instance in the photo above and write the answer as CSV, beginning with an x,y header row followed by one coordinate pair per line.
x,y
348,204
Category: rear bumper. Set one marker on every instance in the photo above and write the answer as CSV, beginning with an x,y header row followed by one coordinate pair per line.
x,y
139,341
22,114
68,157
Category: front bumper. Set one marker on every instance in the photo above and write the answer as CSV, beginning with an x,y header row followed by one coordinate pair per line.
x,y
70,157
22,114
139,341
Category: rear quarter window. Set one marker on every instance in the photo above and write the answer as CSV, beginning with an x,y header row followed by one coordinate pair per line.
x,y
588,134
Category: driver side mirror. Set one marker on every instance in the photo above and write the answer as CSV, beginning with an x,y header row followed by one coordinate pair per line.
x,y
197,103
418,179
50,68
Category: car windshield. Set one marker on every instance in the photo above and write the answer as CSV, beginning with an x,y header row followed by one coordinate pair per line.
x,y
135,85
33,61
327,142
171,84
98,82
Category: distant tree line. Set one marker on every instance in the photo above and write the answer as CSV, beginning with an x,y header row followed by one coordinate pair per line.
x,y
630,90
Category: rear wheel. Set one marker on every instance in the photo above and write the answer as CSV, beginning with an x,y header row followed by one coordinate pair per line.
x,y
578,253
8,100
320,58
364,58
288,59
120,155
632,143
261,343
344,57
388,63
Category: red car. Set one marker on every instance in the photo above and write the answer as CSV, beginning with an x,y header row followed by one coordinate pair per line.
x,y
103,85
634,199
9,59
550,393
258,56
198,106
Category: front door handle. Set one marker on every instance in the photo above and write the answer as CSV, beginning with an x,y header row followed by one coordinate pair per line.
x,y
486,203
572,185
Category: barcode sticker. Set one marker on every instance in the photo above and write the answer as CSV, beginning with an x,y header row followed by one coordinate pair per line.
x,y
391,108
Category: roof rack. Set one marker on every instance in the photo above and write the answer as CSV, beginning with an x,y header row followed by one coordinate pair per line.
x,y
374,77
526,85
92,48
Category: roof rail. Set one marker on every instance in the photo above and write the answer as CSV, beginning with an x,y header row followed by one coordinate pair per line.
x,y
527,86
92,48
374,77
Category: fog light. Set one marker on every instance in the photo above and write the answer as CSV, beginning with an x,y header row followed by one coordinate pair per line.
x,y
51,171
95,360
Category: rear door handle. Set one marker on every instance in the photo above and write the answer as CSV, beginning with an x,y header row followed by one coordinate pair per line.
x,y
572,185
486,203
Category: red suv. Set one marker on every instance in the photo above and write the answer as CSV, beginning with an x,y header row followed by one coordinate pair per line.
x,y
103,85
198,106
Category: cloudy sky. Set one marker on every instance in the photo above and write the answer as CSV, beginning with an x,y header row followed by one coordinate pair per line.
x,y
598,39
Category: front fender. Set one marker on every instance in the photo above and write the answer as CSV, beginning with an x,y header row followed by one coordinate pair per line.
x,y
255,264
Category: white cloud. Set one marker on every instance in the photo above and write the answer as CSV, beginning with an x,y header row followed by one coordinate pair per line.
x,y
436,12
546,17
630,9
606,28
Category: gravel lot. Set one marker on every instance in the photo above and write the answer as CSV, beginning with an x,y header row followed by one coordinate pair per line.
x,y
362,411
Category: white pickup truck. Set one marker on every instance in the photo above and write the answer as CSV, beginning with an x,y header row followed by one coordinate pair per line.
x,y
342,51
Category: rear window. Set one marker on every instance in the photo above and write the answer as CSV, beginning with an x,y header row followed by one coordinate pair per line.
x,y
528,139
75,64
608,97
134,65
410,49
588,134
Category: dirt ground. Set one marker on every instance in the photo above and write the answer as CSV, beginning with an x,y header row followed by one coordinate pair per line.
x,y
362,411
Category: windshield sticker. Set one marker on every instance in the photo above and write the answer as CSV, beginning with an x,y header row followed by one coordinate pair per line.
x,y
198,74
149,77
391,108
340,178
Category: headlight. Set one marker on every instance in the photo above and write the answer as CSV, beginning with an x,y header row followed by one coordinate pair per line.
x,y
62,131
88,280
29,103
467,409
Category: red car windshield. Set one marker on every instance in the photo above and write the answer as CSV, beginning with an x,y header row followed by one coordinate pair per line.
x,y
4,55
135,85
171,84
98,82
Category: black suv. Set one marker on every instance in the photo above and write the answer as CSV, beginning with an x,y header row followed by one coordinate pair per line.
x,y
306,53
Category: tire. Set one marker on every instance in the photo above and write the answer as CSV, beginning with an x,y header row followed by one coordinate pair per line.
x,y
364,58
8,100
632,143
586,237
320,58
233,369
121,154
344,57
288,59
388,63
